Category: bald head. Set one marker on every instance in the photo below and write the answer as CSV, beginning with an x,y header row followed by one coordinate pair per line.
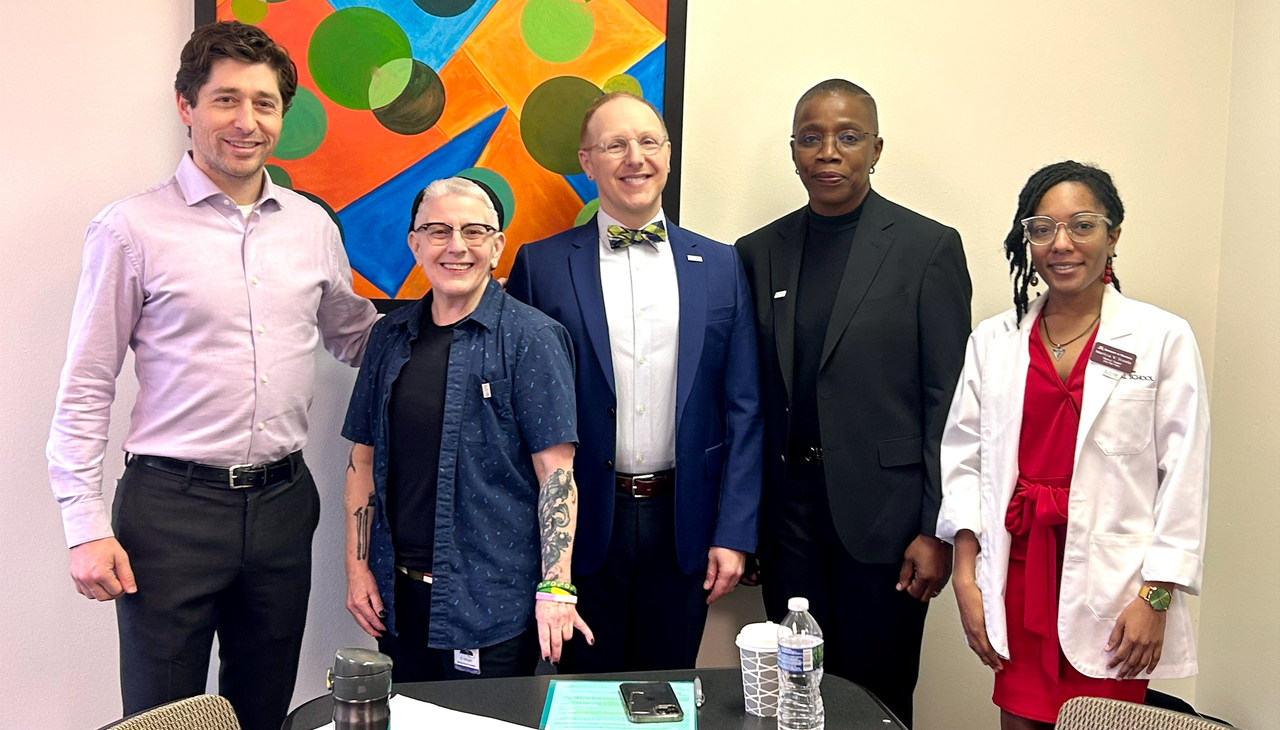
x,y
584,133
838,86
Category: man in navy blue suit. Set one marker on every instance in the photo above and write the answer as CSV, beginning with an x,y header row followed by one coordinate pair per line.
x,y
670,460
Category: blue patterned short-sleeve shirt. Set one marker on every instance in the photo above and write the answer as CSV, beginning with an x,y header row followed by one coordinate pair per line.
x,y
508,394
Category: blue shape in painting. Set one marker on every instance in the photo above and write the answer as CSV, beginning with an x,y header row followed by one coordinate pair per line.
x,y
376,223
585,188
651,72
433,40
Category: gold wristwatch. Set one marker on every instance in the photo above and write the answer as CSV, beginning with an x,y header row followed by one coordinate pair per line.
x,y
1157,597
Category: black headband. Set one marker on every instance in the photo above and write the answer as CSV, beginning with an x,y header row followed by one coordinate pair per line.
x,y
497,204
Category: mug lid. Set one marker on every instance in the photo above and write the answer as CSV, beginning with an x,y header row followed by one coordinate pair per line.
x,y
758,637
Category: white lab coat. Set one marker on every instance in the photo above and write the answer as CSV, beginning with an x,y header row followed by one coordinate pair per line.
x,y
1139,489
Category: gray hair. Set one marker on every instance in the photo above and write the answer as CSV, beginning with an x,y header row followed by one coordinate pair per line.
x,y
459,186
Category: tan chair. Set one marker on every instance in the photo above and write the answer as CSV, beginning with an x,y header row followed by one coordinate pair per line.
x,y
202,712
1097,713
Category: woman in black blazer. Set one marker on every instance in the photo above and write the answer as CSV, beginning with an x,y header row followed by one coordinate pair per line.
x,y
862,308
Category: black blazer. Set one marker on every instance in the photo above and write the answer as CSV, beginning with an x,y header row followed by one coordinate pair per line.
x,y
892,354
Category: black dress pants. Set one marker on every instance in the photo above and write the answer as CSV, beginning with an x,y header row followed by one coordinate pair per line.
x,y
646,613
414,661
209,559
872,631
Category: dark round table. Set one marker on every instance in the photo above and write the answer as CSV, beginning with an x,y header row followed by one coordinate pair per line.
x,y
520,700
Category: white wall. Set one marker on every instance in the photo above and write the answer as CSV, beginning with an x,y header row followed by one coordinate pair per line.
x,y
1170,96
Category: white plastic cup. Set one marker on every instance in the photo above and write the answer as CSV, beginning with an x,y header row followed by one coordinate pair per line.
x,y
758,650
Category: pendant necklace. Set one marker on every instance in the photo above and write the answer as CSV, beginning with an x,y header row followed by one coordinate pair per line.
x,y
1059,350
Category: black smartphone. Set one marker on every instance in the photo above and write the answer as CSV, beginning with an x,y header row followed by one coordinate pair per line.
x,y
650,702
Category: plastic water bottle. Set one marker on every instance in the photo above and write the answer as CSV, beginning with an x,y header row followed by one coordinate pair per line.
x,y
800,669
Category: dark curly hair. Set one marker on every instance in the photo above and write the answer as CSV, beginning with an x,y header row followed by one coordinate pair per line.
x,y
1015,245
238,41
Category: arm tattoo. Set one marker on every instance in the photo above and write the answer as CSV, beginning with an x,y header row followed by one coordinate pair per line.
x,y
363,519
351,459
554,499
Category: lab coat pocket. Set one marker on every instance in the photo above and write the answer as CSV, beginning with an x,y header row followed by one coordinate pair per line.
x,y
1125,424
1115,567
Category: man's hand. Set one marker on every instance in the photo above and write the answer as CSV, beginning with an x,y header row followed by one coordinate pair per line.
x,y
926,566
724,568
100,570
556,622
969,598
1137,639
363,600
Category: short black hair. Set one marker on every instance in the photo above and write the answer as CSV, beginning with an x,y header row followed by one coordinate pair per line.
x,y
837,86
1015,245
237,41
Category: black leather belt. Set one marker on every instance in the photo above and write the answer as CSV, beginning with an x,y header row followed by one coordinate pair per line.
x,y
647,485
417,575
241,476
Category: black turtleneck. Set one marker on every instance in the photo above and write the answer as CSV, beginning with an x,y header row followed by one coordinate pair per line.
x,y
828,240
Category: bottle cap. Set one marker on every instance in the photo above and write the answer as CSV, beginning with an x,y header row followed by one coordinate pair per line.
x,y
360,675
798,604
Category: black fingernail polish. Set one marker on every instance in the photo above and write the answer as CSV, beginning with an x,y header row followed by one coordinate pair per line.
x,y
382,614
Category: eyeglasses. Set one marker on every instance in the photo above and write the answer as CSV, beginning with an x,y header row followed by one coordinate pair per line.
x,y
440,234
847,140
619,146
1040,230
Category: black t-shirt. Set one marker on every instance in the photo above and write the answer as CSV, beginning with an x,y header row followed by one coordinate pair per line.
x,y
828,240
415,414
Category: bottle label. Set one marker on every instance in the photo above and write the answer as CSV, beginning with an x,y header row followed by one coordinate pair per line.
x,y
795,659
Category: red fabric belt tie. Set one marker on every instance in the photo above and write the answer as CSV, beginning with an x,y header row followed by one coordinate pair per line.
x,y
1034,511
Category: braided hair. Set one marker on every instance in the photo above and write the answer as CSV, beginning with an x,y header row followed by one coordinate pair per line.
x,y
1015,245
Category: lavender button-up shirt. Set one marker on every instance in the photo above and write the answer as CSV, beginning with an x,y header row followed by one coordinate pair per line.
x,y
223,314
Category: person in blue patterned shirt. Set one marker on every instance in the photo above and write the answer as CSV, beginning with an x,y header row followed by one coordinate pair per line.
x,y
460,499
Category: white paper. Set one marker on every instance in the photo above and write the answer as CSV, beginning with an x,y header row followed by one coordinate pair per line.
x,y
410,714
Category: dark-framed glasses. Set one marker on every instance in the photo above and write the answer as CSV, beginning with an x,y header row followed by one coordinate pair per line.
x,y
440,234
847,139
619,146
1040,230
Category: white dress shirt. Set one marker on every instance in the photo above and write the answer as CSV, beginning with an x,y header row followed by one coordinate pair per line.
x,y
223,312
642,308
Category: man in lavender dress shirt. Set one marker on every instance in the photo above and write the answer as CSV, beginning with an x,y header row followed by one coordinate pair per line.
x,y
222,283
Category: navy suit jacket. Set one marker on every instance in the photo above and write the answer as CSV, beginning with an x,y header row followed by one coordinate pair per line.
x,y
719,423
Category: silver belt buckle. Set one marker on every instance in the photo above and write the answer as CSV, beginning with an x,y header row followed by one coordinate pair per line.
x,y
231,476
637,478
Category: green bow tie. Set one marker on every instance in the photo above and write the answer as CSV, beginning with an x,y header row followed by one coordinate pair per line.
x,y
620,237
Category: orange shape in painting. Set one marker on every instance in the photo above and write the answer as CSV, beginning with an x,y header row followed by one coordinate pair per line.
x,y
545,203
622,37
290,24
364,288
469,98
655,11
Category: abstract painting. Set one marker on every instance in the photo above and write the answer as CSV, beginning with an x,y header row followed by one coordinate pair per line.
x,y
393,94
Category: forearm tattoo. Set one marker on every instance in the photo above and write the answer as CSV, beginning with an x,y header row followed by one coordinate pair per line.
x,y
364,516
554,500
351,460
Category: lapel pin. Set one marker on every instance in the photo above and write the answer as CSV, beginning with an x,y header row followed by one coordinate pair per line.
x,y
780,294
695,257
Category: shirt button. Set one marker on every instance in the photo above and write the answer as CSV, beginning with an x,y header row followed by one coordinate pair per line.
x,y
642,361
261,329
226,202
640,410
262,426
254,280
264,377
639,459
639,312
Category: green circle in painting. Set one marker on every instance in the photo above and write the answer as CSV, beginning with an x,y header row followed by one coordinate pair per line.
x,y
350,47
623,82
249,11
304,126
552,119
280,176
389,82
557,31
444,8
498,184
418,107
587,211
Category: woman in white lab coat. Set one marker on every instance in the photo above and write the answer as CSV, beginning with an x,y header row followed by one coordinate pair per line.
x,y
1075,468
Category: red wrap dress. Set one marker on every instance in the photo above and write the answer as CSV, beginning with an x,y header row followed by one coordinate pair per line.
x,y
1037,678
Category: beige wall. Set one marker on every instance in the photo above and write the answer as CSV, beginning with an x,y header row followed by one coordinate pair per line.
x,y
1239,630
1176,98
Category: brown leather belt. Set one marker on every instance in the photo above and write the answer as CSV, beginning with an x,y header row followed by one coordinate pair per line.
x,y
647,485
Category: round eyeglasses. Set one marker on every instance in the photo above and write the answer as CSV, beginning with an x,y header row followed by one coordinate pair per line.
x,y
619,146
1040,230
440,234
846,140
